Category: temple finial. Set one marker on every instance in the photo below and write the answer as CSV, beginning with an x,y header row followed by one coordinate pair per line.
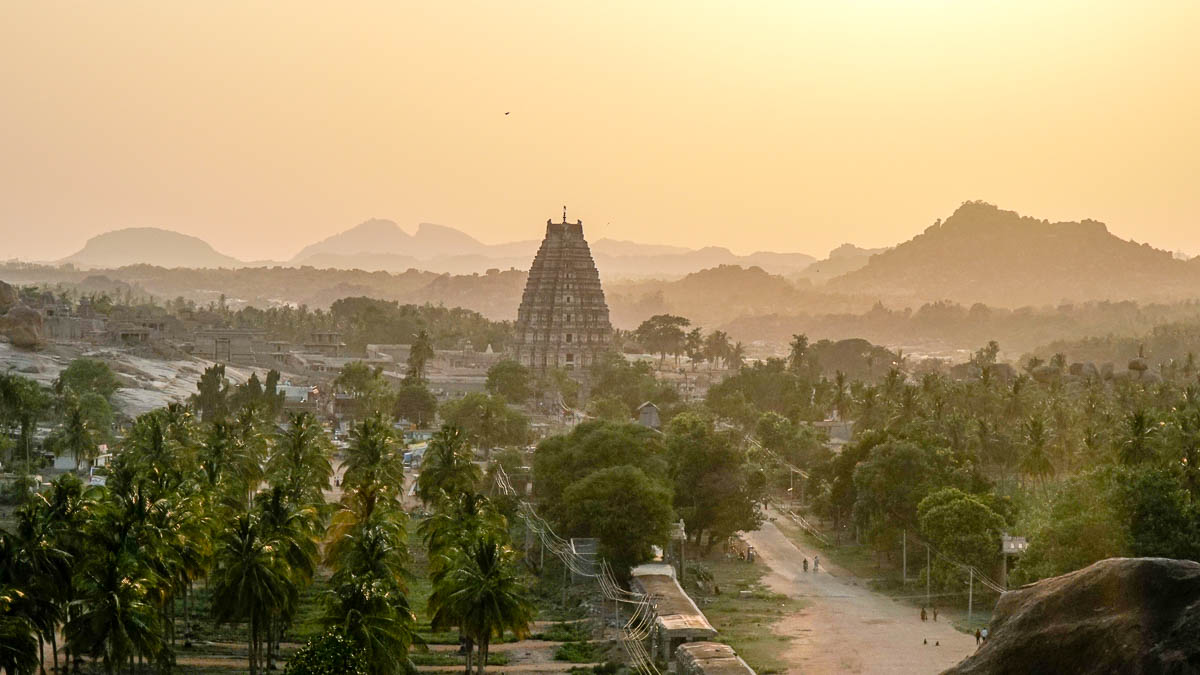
x,y
564,213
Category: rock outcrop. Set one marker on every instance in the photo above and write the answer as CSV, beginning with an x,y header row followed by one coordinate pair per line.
x,y
20,324
8,297
1121,615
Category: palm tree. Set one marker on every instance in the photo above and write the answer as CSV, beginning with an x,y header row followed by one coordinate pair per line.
x,y
483,594
737,356
367,601
294,527
448,467
300,459
250,582
1036,461
19,649
115,621
77,435
1137,442
418,356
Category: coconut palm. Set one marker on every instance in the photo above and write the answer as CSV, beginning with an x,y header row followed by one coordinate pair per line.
x,y
1036,461
115,619
483,594
250,582
1137,441
367,602
447,467
299,459
19,649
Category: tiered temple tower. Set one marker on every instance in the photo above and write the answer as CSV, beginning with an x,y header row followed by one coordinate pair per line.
x,y
563,319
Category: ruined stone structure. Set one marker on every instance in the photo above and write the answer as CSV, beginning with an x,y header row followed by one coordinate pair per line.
x,y
563,319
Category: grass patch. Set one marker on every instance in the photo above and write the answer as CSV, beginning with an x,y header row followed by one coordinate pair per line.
x,y
578,652
576,631
744,622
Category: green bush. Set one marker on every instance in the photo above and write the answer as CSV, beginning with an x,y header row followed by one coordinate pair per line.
x,y
328,654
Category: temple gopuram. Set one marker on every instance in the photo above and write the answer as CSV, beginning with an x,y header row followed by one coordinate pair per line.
x,y
563,319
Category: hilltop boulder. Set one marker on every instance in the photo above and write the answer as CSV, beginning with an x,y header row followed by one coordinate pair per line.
x,y
8,297
22,326
1121,615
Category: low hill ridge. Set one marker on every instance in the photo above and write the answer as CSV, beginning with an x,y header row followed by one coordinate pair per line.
x,y
982,253
134,245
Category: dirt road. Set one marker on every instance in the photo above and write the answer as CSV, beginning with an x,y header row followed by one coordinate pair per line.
x,y
846,628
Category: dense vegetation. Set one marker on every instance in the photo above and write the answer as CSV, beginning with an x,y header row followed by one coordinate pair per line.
x,y
1085,466
219,492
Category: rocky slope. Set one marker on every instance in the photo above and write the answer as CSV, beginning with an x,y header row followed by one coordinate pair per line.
x,y
1121,615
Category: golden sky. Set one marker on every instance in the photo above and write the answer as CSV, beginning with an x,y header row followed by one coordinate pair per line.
x,y
784,125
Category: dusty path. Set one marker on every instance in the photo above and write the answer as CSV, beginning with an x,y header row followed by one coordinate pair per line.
x,y
846,628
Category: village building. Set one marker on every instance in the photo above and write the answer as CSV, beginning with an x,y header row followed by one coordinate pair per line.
x,y
563,319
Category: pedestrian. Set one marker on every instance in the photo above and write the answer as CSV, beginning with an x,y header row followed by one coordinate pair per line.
x,y
923,616
806,564
984,635
816,563
978,637
935,613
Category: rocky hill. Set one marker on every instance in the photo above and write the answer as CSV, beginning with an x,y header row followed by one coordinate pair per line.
x,y
1121,615
984,254
136,245
843,259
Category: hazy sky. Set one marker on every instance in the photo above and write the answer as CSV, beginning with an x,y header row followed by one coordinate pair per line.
x,y
786,125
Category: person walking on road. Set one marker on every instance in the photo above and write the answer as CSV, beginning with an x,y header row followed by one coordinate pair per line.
x,y
816,563
984,634
935,613
924,617
806,564
978,637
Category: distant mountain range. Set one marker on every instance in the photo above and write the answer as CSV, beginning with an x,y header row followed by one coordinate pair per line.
x,y
982,253
382,245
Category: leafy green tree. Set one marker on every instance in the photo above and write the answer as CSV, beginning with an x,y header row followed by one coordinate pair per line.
x,y
511,380
717,492
487,420
609,408
23,403
211,399
371,392
87,376
962,527
625,509
415,403
591,446
613,376
663,334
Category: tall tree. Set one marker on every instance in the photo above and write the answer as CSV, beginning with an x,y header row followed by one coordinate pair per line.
x,y
419,356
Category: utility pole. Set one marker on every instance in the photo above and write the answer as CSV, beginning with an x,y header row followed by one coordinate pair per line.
x,y
970,594
926,574
565,566
904,555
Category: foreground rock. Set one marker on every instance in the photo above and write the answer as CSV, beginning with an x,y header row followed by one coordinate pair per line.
x,y
1121,615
